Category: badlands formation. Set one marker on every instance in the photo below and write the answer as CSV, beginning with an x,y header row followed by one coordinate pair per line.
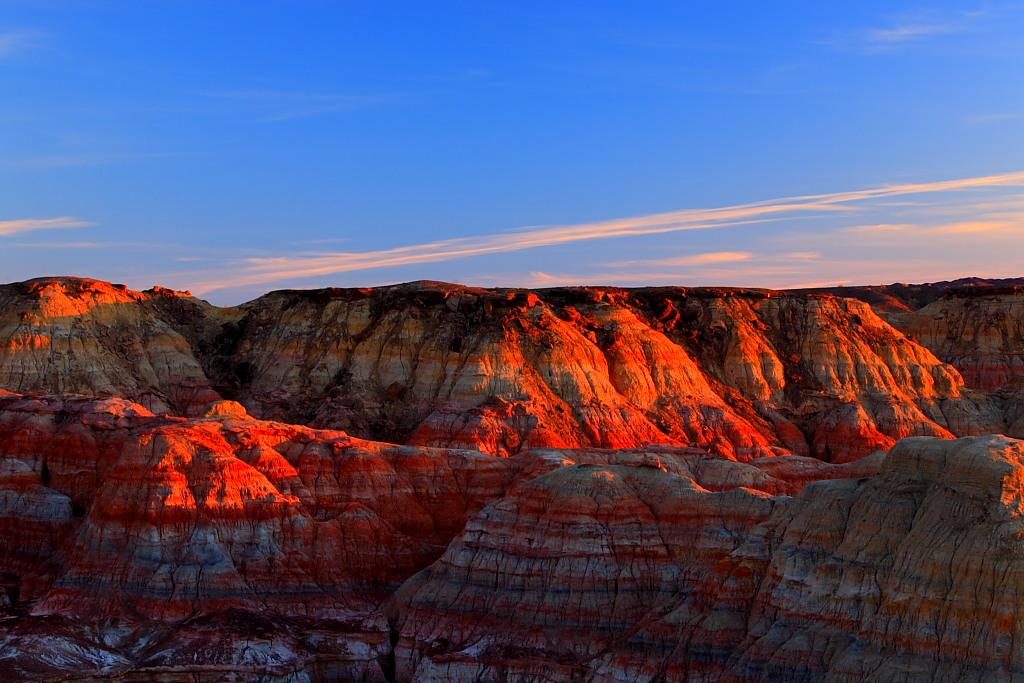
x,y
429,482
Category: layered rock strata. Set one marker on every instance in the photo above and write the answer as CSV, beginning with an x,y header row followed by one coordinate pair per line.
x,y
127,537
613,574
744,373
79,336
137,546
980,333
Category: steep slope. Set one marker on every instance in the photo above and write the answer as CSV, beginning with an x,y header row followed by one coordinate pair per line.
x,y
611,574
746,373
130,541
79,336
975,324
978,331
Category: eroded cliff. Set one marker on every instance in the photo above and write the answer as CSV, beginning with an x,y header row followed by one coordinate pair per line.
x,y
914,574
694,485
131,542
744,373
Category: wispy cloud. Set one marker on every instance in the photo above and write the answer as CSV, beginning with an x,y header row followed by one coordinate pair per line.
x,y
976,227
905,33
959,228
97,159
16,41
30,224
770,271
690,260
983,119
255,271
93,245
280,105
880,227
908,29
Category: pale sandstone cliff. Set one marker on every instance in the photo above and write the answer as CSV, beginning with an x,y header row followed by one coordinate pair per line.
x,y
743,372
78,336
980,333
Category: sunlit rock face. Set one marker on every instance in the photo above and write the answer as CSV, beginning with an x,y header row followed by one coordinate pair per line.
x,y
79,336
981,333
974,324
745,373
618,574
130,541
428,482
742,373
133,542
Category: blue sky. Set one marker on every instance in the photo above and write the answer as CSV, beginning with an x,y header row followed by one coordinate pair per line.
x,y
232,148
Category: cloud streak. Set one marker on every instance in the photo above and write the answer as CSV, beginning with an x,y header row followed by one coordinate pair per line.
x,y
30,224
908,32
277,105
909,29
256,271
16,41
691,260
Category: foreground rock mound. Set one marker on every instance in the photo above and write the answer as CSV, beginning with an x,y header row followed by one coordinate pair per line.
x,y
132,542
915,574
149,547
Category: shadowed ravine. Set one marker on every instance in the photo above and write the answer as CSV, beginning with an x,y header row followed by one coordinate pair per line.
x,y
430,482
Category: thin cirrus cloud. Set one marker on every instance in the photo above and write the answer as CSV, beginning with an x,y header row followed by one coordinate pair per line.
x,y
277,105
908,32
12,42
770,271
31,224
908,29
257,271
690,260
983,226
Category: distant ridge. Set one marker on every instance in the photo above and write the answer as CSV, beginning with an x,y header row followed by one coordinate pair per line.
x,y
901,296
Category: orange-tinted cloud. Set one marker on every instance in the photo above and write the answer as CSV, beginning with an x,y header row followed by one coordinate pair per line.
x,y
30,224
290,267
690,260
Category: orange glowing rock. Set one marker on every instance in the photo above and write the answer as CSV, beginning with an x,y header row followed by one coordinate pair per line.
x,y
744,373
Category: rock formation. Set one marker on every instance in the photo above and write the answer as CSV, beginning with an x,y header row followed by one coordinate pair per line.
x,y
120,529
690,485
617,574
744,373
77,336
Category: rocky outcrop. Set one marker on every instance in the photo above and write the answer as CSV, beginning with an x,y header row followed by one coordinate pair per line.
x,y
78,336
563,569
127,537
745,373
187,493
138,545
981,333
615,574
975,324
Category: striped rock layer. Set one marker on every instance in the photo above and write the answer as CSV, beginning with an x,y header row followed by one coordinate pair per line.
x,y
742,373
